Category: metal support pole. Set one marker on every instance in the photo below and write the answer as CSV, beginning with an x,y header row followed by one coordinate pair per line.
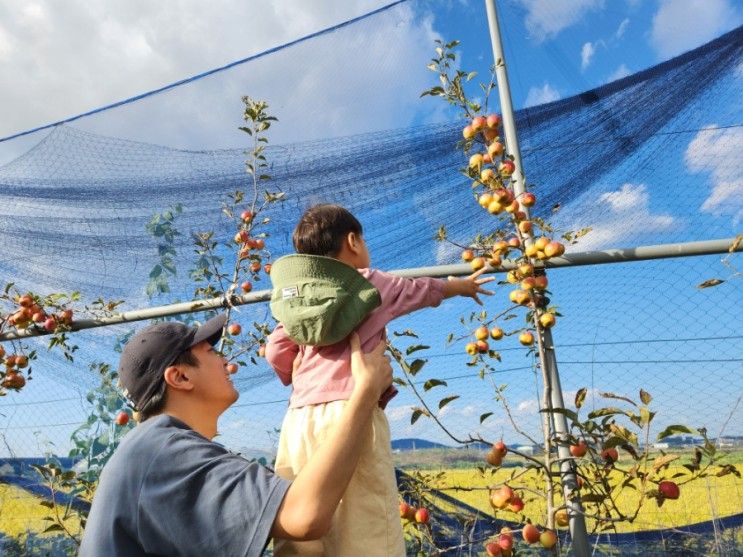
x,y
578,531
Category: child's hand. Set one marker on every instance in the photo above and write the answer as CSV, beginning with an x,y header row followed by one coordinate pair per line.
x,y
469,287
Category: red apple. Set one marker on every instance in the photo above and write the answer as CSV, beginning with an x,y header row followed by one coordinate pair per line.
x,y
528,199
548,539
496,333
489,134
482,346
481,333
422,516
516,505
610,455
478,123
501,447
468,132
506,168
547,320
477,263
492,549
246,216
554,249
492,121
267,268
232,368
494,458
50,324
406,511
468,255
495,149
234,329
255,266
501,497
13,380
530,533
669,489
246,287
579,450
476,161
122,418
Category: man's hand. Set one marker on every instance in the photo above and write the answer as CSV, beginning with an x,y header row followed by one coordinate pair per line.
x,y
372,372
469,287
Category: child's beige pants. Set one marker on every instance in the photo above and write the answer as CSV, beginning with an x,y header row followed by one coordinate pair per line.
x,y
367,521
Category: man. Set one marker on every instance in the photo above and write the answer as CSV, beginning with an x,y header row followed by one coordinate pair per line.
x,y
170,490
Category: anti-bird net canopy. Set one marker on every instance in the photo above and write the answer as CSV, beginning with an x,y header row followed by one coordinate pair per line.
x,y
652,158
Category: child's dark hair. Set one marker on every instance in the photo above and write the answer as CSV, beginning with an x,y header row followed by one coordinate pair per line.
x,y
323,228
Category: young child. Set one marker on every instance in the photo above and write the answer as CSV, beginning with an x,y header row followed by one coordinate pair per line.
x,y
319,296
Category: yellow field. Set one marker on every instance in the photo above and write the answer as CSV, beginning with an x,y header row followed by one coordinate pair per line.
x,y
700,501
20,513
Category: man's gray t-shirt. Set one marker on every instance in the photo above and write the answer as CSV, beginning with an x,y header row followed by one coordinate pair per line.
x,y
167,490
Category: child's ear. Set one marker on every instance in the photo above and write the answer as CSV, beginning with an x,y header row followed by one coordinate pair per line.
x,y
353,241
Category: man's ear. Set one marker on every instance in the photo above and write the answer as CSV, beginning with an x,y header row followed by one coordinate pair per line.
x,y
176,377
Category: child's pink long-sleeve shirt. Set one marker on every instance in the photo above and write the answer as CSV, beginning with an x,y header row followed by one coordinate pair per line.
x,y
324,372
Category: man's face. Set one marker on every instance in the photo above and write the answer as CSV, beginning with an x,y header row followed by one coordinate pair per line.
x,y
211,379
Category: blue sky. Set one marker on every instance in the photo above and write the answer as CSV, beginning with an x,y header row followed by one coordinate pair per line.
x,y
58,61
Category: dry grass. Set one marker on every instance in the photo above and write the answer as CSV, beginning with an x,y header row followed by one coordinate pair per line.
x,y
20,513
700,501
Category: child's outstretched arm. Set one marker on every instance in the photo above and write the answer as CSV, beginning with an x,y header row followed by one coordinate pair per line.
x,y
469,287
280,354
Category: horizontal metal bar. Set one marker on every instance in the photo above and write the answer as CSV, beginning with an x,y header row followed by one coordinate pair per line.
x,y
622,255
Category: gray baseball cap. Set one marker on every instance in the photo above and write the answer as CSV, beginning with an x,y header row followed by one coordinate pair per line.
x,y
156,347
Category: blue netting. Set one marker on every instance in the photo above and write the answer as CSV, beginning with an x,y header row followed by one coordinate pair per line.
x,y
651,158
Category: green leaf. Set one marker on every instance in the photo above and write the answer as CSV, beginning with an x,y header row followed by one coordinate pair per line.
x,y
709,283
416,366
444,401
485,416
580,397
431,383
53,528
156,271
646,416
416,348
608,411
673,429
417,413
618,397
564,411
645,397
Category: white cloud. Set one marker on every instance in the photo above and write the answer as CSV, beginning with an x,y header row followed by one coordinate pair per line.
x,y
680,25
622,28
718,153
586,53
541,95
618,215
529,406
619,73
546,18
58,60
